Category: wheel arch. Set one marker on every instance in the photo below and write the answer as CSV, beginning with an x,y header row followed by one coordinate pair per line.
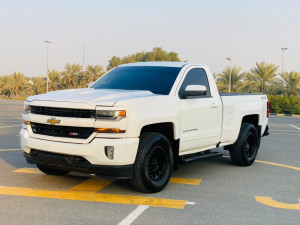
x,y
167,129
252,119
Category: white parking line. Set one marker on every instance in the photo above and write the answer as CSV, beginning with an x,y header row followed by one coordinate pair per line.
x,y
11,126
294,126
190,203
286,134
135,214
286,131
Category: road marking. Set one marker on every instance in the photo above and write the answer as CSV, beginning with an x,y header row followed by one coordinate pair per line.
x,y
177,180
135,214
295,115
28,170
6,150
285,131
270,202
273,164
86,184
7,120
277,164
294,126
93,197
190,203
11,126
92,185
287,134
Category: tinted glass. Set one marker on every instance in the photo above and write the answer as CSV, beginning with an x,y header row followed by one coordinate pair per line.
x,y
158,80
196,76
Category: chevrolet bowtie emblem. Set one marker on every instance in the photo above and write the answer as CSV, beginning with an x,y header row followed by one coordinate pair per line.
x,y
53,121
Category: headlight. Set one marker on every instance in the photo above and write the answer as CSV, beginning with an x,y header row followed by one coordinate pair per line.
x,y
110,114
27,109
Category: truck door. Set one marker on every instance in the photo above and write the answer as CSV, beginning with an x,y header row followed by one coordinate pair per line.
x,y
200,116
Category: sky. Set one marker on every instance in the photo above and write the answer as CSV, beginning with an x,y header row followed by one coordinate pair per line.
x,y
207,32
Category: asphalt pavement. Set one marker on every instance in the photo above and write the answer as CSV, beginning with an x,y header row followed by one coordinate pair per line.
x,y
207,192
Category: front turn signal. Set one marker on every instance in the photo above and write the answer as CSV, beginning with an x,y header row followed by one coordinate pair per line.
x,y
26,122
109,130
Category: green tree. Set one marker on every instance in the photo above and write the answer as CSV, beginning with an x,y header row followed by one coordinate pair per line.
x,y
236,79
91,73
290,83
54,80
284,104
261,77
157,54
36,86
2,90
15,84
71,75
113,62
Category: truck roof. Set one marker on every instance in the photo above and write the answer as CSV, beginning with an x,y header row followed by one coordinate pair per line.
x,y
160,63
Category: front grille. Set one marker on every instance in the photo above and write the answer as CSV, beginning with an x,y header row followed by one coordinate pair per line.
x,y
65,112
62,131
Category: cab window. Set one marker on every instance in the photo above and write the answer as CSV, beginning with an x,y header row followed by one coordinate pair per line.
x,y
196,76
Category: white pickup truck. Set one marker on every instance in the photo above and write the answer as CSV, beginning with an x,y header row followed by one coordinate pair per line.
x,y
139,121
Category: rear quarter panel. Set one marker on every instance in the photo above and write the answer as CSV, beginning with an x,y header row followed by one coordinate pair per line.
x,y
237,107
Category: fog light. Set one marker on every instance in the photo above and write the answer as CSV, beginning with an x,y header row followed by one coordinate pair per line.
x,y
34,153
109,152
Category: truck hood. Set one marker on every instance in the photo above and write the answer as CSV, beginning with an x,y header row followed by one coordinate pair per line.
x,y
91,96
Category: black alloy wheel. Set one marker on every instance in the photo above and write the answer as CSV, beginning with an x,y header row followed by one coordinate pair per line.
x,y
250,146
243,152
154,163
157,163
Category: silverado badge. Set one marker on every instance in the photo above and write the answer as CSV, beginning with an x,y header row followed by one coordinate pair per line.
x,y
53,121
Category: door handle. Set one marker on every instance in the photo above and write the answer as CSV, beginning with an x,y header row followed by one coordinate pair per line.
x,y
213,105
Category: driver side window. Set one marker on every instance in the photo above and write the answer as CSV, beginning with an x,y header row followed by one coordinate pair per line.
x,y
196,76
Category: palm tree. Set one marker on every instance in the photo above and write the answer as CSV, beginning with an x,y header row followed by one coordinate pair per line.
x,y
4,90
291,82
91,73
35,86
261,77
54,80
16,84
71,75
223,78
113,62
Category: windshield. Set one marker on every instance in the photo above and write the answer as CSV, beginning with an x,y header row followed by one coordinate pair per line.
x,y
158,80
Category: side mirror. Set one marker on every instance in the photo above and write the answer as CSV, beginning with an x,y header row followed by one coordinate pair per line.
x,y
90,84
193,91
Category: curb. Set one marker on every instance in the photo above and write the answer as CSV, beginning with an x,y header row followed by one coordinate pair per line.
x,y
281,114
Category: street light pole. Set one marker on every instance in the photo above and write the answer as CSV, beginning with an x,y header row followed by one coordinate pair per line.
x,y
230,59
47,42
283,49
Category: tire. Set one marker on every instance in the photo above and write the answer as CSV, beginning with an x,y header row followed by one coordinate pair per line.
x,y
243,152
153,164
51,171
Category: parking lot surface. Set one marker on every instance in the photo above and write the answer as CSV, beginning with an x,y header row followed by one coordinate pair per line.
x,y
206,192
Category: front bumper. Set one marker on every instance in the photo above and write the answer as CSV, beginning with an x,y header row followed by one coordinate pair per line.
x,y
71,163
125,150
